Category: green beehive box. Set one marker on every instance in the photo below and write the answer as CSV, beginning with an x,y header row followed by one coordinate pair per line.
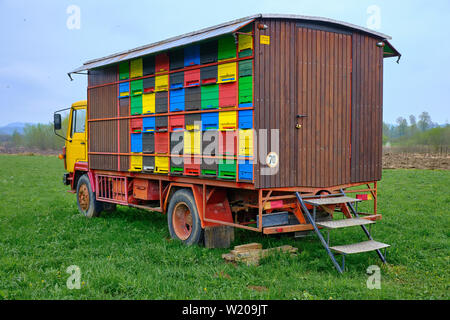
x,y
245,89
227,169
124,70
136,105
227,48
245,53
246,68
137,87
210,96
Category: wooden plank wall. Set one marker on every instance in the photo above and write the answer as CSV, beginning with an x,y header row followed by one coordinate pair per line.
x,y
308,70
367,109
275,98
103,135
324,95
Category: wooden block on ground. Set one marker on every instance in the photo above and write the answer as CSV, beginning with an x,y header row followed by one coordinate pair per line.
x,y
249,246
219,237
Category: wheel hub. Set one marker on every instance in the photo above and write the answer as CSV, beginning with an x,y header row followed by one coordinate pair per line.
x,y
182,221
83,197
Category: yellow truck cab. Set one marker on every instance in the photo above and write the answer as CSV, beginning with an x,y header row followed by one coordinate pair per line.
x,y
75,147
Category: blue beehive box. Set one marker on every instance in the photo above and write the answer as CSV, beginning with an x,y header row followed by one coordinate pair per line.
x,y
246,170
210,121
136,142
177,100
124,90
148,124
246,119
191,55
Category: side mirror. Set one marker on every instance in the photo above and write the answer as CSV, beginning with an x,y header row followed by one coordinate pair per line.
x,y
57,121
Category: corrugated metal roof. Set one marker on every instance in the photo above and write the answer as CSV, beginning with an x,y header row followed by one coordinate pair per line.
x,y
207,33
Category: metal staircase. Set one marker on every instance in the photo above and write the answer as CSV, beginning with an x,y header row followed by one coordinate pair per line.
x,y
354,220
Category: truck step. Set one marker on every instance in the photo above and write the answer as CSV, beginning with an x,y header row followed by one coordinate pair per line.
x,y
330,200
345,223
360,247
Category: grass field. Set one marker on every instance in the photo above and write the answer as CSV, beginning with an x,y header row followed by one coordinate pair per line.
x,y
128,254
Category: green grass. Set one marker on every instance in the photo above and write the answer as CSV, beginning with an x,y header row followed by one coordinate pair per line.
x,y
128,254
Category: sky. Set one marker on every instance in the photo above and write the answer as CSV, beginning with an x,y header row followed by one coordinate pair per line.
x,y
38,48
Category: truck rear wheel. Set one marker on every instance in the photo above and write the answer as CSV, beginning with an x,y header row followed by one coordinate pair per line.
x,y
183,219
87,204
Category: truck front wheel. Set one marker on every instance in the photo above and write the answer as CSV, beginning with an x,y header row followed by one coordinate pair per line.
x,y
183,219
87,204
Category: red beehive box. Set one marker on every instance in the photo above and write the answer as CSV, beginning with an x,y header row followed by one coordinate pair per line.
x,y
161,142
227,94
145,189
162,63
136,125
176,122
192,166
192,78
227,142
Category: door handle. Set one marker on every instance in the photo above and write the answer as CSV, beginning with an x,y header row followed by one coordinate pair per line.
x,y
83,143
302,116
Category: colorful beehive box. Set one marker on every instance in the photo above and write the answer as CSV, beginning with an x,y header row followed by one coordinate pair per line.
x,y
226,72
136,142
210,121
246,91
148,142
148,124
161,165
245,169
227,169
226,48
161,142
162,63
208,52
191,55
148,103
210,97
177,100
176,123
246,142
227,120
136,68
192,142
136,163
124,70
162,83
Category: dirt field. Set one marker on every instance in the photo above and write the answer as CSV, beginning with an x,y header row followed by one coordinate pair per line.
x,y
416,161
391,160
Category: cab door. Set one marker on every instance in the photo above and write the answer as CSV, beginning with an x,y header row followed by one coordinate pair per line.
x,y
76,146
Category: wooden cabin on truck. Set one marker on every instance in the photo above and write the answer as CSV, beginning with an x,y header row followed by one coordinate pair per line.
x,y
266,123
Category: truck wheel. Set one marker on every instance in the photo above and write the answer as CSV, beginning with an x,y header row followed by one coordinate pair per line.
x,y
87,204
183,219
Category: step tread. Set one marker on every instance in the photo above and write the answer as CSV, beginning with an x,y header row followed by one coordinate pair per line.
x,y
360,247
330,200
345,223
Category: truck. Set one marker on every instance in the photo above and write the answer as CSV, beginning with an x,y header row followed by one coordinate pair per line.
x,y
266,123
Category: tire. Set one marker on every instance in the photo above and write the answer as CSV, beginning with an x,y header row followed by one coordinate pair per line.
x,y
183,219
87,204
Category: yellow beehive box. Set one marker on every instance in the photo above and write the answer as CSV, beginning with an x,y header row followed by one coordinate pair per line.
x,y
136,163
192,142
226,72
246,142
148,103
245,42
227,120
162,83
162,164
136,69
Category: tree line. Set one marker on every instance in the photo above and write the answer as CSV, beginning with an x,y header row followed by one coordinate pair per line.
x,y
413,132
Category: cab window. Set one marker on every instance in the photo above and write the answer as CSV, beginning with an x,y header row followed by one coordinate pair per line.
x,y
78,121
